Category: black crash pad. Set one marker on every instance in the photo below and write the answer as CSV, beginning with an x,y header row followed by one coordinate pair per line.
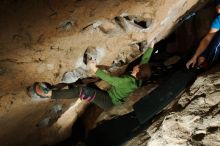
x,y
114,132
159,98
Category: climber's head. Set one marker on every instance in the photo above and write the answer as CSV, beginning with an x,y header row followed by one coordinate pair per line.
x,y
142,71
217,5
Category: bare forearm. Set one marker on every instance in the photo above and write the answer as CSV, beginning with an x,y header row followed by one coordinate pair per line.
x,y
202,47
204,43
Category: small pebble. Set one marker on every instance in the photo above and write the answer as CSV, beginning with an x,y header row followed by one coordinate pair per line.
x,y
2,71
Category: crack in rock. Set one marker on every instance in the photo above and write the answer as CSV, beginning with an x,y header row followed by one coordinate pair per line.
x,y
66,25
142,23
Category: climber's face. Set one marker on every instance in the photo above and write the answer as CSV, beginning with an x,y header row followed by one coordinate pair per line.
x,y
135,70
218,9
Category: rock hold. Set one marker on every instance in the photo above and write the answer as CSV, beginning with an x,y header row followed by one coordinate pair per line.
x,y
66,25
73,76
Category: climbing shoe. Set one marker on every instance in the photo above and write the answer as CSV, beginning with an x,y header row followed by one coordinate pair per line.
x,y
39,90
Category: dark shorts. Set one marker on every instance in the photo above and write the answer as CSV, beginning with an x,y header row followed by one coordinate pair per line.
x,y
101,99
212,53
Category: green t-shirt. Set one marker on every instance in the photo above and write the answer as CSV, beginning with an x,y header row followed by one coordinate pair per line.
x,y
123,86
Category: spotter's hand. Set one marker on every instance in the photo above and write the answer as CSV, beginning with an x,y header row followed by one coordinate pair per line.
x,y
191,63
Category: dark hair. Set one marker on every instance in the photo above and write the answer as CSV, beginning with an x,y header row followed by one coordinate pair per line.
x,y
217,2
144,72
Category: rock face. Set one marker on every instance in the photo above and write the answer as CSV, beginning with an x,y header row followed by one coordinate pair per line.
x,y
193,119
42,40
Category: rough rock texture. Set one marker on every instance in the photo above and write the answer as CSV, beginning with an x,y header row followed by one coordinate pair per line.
x,y
185,32
194,120
41,40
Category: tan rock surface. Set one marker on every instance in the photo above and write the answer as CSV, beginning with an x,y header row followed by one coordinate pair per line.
x,y
41,40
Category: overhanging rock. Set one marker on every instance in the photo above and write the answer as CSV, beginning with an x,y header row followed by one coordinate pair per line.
x,y
41,40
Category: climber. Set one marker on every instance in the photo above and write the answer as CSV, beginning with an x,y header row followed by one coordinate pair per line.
x,y
208,51
121,87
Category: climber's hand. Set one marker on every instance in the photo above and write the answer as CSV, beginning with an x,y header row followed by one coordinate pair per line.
x,y
91,65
